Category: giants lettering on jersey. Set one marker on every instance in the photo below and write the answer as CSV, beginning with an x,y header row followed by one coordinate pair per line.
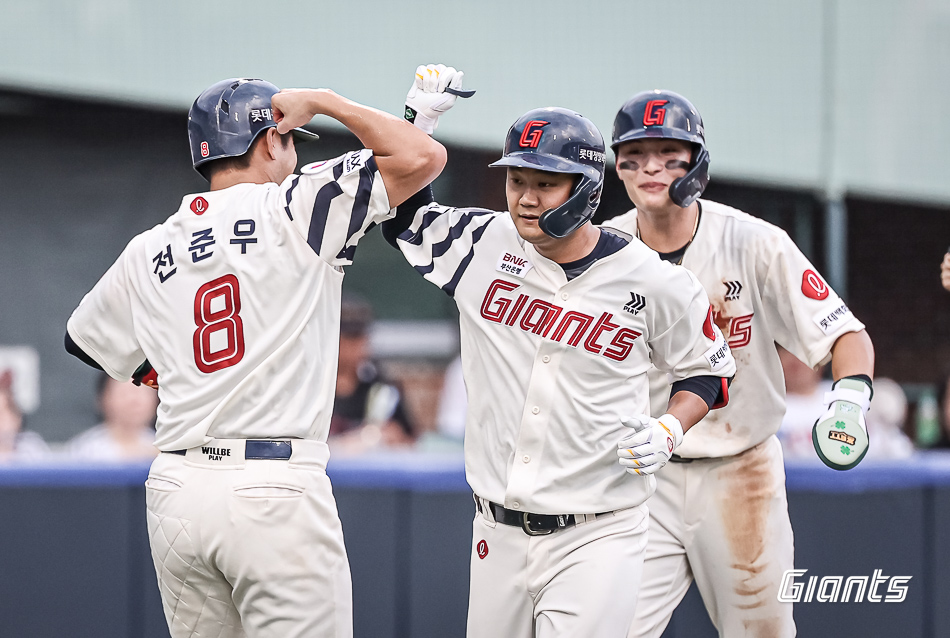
x,y
541,318
738,329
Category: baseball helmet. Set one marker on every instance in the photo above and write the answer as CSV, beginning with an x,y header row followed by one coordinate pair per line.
x,y
560,141
228,116
667,115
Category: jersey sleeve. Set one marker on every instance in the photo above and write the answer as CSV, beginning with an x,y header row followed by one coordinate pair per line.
x,y
805,315
686,341
334,203
102,326
440,242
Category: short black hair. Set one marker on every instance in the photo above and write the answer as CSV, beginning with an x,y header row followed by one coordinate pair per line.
x,y
238,162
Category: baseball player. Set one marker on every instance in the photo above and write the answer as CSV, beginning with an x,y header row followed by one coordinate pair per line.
x,y
235,302
720,514
560,322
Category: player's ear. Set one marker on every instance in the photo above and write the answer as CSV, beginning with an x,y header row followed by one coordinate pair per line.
x,y
271,142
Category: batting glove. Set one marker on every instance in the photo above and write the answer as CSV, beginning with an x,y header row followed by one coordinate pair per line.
x,y
840,436
651,444
427,98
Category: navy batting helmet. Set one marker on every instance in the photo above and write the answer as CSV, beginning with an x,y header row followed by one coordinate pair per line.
x,y
669,115
228,116
560,141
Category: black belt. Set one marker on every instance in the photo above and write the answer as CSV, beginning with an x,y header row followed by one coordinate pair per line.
x,y
676,458
534,524
259,450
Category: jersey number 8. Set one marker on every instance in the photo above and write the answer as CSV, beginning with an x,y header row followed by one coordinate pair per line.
x,y
219,339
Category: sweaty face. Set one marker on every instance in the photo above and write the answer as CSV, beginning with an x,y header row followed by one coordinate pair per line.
x,y
530,192
648,167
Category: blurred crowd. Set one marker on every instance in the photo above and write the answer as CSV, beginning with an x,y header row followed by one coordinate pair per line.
x,y
373,412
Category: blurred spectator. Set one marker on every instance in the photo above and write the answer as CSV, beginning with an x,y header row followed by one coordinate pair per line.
x,y
127,429
804,403
15,444
943,406
885,421
368,412
945,271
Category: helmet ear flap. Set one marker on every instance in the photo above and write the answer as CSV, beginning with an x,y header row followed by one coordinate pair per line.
x,y
687,189
563,220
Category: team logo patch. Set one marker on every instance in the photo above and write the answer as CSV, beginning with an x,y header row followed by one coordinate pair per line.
x,y
199,205
513,265
813,287
733,288
531,135
204,150
482,549
636,303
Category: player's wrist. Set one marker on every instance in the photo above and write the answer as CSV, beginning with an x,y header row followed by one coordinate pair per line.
x,y
672,425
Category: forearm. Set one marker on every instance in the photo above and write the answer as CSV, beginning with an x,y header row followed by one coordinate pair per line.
x,y
689,408
386,134
852,354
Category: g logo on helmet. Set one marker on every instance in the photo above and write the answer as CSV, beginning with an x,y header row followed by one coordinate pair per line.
x,y
204,150
813,287
652,116
531,135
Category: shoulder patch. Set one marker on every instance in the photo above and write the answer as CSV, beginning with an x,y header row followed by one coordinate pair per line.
x,y
352,161
831,320
813,287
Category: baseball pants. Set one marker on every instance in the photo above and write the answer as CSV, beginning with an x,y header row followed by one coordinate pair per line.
x,y
725,523
248,547
579,581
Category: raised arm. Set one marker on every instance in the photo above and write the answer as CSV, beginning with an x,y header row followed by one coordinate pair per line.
x,y
407,158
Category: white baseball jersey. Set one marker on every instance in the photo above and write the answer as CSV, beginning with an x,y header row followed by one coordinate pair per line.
x,y
763,291
235,301
550,364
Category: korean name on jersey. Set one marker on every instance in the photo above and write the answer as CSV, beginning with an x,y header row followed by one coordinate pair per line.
x,y
235,301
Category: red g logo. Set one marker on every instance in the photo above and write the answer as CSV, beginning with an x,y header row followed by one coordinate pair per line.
x,y
531,135
204,150
813,287
653,115
199,205
669,444
482,549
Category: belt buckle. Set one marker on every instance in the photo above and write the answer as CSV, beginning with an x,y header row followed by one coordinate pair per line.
x,y
526,526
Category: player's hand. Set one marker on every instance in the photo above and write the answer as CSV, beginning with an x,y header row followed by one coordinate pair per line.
x,y
945,271
651,444
427,98
293,108
840,435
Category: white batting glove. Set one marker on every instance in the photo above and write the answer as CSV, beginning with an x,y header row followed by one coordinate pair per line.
x,y
651,444
840,435
427,98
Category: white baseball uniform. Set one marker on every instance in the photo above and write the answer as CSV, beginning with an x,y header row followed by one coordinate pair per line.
x,y
235,301
723,518
550,366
